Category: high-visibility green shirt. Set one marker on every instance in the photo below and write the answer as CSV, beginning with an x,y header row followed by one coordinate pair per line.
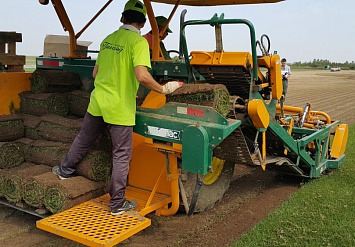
x,y
114,96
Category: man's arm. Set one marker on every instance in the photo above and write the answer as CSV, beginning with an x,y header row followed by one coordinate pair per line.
x,y
288,72
144,77
96,69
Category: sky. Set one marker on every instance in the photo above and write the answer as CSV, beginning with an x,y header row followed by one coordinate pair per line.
x,y
299,30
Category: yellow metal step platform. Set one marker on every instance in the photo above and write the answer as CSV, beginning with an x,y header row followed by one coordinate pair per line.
x,y
92,224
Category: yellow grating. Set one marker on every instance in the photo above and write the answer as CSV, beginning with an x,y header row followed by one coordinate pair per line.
x,y
133,193
93,225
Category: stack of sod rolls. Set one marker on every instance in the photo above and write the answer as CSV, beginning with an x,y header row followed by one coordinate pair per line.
x,y
58,195
54,81
11,127
12,179
10,155
78,103
43,104
31,126
59,129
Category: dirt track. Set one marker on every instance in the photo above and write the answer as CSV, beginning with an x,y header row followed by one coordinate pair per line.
x,y
248,200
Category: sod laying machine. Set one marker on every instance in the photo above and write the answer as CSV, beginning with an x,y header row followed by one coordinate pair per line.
x,y
186,145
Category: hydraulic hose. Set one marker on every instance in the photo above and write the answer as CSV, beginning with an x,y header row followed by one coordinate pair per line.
x,y
195,195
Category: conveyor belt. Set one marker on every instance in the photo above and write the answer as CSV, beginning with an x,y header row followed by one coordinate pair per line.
x,y
234,148
235,78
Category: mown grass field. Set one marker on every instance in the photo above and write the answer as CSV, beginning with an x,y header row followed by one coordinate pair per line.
x,y
321,213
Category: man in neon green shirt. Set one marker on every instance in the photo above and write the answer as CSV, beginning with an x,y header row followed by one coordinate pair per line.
x,y
122,64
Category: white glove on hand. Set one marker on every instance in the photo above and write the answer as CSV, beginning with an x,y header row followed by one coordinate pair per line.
x,y
171,86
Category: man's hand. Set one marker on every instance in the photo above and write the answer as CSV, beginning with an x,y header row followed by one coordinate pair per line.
x,y
171,86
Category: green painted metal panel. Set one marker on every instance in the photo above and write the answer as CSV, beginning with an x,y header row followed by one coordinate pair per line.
x,y
195,153
169,70
170,121
333,164
49,63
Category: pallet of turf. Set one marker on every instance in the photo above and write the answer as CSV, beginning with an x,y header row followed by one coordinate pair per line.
x,y
78,103
10,155
31,123
213,95
54,81
60,195
47,153
43,104
12,179
11,127
96,165
59,129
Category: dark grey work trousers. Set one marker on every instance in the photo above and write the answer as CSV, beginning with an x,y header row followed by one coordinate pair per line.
x,y
285,86
121,154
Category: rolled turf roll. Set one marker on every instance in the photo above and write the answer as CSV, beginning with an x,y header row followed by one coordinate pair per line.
x,y
13,179
24,144
78,103
64,194
213,95
96,165
11,127
31,123
47,152
10,155
1,186
54,81
59,129
43,104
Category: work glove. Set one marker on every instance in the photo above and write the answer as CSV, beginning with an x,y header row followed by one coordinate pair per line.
x,y
171,86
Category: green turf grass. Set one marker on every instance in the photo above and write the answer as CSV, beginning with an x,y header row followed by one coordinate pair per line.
x,y
321,213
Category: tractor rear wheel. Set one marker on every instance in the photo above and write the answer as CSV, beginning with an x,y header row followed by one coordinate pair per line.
x,y
215,184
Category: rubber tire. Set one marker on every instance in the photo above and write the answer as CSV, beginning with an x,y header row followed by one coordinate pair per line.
x,y
209,194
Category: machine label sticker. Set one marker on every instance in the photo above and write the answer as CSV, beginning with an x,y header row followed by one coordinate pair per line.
x,y
166,133
190,111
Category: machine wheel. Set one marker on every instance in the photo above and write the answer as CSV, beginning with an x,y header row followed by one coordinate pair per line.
x,y
215,184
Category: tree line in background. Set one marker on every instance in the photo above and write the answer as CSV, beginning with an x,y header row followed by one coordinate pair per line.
x,y
321,64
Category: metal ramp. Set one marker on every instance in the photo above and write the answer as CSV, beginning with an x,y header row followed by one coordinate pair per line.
x,y
92,224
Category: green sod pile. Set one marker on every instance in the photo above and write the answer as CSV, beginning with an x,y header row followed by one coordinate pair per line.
x,y
63,194
47,152
33,193
1,188
13,180
59,129
215,96
43,104
10,155
96,165
31,123
78,103
11,127
54,81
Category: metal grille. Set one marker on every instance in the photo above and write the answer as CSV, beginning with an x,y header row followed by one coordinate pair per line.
x,y
236,79
92,224
132,193
234,148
